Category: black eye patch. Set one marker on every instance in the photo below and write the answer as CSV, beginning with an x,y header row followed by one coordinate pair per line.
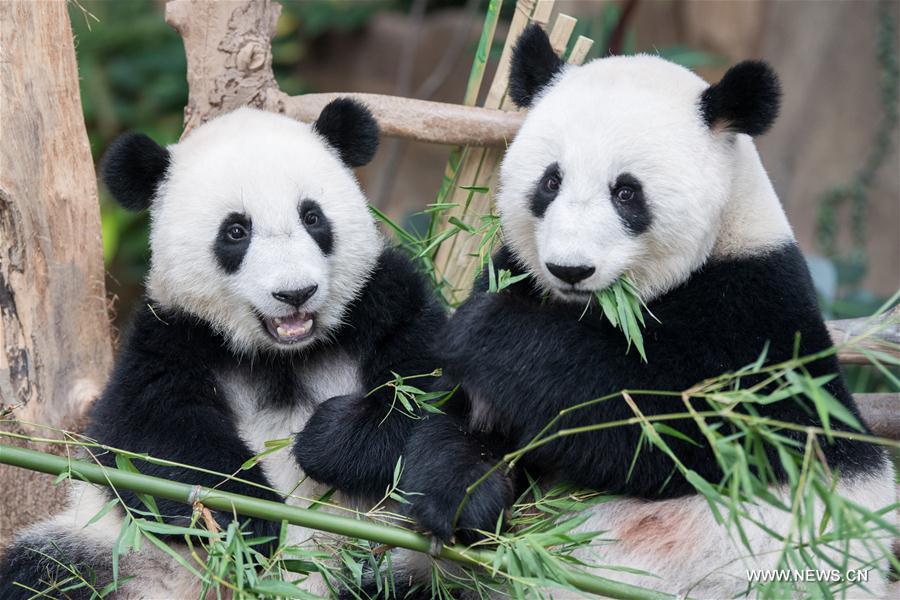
x,y
546,190
232,241
317,225
627,197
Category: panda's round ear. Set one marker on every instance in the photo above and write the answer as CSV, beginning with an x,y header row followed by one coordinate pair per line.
x,y
746,100
349,128
533,66
132,169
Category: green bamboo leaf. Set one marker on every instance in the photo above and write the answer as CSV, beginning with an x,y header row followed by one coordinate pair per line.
x,y
102,512
666,430
176,556
401,233
271,446
608,304
113,586
459,224
437,241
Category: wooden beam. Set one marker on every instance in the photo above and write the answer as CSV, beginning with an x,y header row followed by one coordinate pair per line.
x,y
419,120
881,412
881,335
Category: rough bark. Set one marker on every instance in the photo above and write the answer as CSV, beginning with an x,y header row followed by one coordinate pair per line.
x,y
55,344
228,45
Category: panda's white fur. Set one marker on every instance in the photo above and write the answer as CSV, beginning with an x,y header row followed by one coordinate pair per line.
x,y
277,161
693,177
677,546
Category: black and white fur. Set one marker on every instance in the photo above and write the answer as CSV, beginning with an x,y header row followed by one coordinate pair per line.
x,y
206,375
632,164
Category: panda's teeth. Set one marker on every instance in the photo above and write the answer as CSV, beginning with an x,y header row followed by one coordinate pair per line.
x,y
279,330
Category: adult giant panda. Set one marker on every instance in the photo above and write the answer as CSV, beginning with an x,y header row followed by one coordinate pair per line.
x,y
634,165
273,306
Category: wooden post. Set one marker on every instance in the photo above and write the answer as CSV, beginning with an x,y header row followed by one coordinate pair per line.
x,y
54,330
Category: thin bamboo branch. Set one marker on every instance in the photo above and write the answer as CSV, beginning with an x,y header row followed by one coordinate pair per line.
x,y
276,511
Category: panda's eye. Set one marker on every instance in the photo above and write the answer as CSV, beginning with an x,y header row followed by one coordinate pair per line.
x,y
551,182
237,232
311,219
624,193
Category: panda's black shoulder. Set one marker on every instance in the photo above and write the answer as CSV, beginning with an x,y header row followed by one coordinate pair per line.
x,y
174,334
164,355
397,293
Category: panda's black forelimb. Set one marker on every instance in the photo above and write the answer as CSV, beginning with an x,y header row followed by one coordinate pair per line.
x,y
354,442
162,400
443,460
53,567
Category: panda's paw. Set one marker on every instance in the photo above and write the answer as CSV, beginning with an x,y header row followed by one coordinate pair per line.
x,y
327,430
482,510
485,508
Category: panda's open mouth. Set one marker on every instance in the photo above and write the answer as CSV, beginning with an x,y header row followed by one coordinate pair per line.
x,y
290,329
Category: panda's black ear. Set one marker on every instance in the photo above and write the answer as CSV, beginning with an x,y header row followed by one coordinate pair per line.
x,y
534,64
746,100
132,169
349,128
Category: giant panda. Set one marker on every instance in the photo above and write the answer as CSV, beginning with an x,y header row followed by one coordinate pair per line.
x,y
632,164
273,308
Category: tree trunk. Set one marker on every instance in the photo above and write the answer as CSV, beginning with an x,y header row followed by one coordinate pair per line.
x,y
54,329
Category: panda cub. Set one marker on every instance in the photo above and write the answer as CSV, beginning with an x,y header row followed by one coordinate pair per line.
x,y
634,165
273,307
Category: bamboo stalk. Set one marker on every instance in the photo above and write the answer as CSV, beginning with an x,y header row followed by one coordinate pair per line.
x,y
473,87
457,260
276,511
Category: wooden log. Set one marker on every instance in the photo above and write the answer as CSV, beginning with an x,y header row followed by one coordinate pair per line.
x,y
419,120
881,412
55,342
885,336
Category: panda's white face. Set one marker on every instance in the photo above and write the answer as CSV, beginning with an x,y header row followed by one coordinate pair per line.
x,y
614,171
261,230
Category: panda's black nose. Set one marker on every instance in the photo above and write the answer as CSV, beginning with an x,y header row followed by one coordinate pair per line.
x,y
295,298
571,274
